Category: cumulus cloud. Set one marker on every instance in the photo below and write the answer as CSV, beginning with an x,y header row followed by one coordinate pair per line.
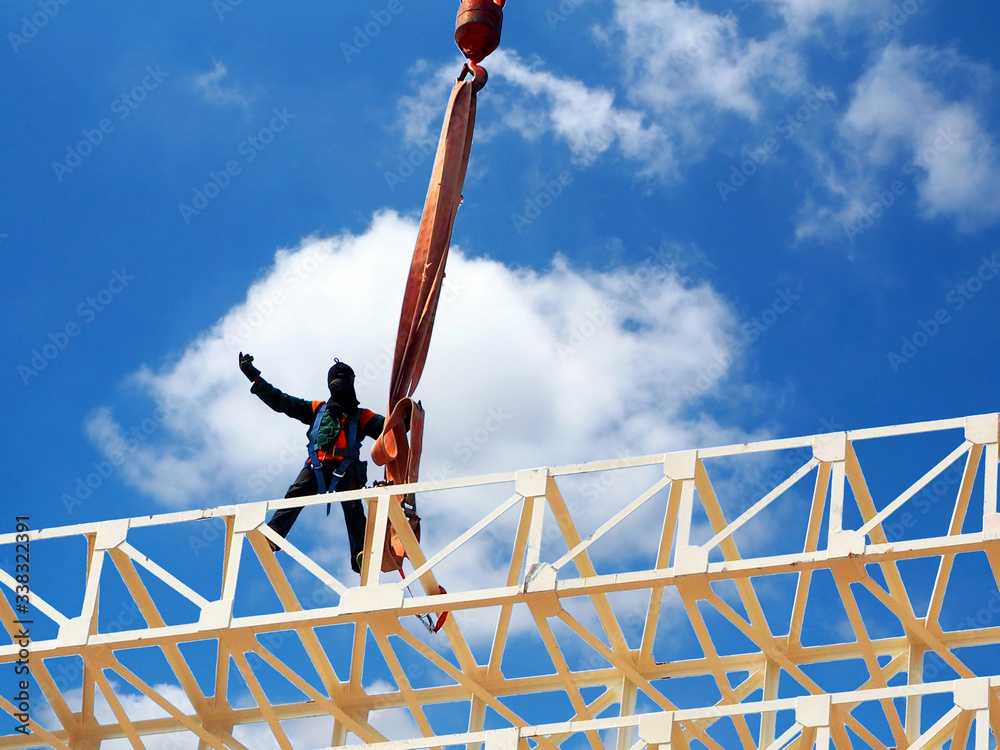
x,y
902,124
537,103
587,119
898,111
566,356
679,54
694,80
694,69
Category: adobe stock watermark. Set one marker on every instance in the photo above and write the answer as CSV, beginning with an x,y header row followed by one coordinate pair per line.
x,y
408,163
223,8
957,298
470,444
985,616
123,106
787,126
86,313
658,263
786,463
249,149
237,331
32,25
661,261
882,200
597,486
750,333
944,485
373,367
85,486
898,16
562,12
363,35
707,39
536,205
292,454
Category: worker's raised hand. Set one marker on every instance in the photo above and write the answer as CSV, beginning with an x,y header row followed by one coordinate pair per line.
x,y
247,368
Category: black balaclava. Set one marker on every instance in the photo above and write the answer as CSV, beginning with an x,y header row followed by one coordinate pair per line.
x,y
340,379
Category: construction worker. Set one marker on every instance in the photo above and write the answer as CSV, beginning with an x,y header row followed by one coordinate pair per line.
x,y
336,428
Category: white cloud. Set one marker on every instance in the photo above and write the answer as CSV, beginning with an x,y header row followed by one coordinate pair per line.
x,y
570,357
586,118
902,125
211,86
802,16
897,110
682,59
421,114
538,103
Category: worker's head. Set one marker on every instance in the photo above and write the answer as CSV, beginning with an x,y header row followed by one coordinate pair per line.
x,y
340,379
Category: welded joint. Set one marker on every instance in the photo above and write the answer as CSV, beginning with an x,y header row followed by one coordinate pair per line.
x,y
249,517
846,544
830,448
982,429
540,589
531,482
216,615
503,739
813,711
656,729
74,632
540,578
111,534
691,561
680,466
972,695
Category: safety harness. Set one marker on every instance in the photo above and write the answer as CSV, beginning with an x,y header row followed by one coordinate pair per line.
x,y
351,453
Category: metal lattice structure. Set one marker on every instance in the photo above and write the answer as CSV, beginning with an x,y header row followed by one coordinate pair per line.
x,y
797,593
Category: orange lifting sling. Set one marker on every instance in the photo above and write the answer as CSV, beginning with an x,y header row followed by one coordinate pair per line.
x,y
477,34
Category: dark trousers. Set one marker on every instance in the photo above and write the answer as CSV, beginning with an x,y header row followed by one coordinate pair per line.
x,y
354,510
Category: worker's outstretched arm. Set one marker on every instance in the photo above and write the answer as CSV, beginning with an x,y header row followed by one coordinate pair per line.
x,y
296,408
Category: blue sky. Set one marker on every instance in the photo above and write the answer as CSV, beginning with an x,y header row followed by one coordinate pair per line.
x,y
684,224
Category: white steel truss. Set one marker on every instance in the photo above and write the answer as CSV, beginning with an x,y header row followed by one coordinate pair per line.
x,y
783,594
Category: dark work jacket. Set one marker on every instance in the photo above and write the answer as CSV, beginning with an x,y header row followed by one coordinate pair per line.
x,y
331,442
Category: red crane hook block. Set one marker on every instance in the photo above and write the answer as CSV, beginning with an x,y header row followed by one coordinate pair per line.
x,y
478,28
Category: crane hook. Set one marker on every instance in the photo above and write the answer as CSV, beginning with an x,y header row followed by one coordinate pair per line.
x,y
479,75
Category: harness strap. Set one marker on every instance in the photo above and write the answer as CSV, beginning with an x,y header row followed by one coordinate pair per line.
x,y
351,455
314,461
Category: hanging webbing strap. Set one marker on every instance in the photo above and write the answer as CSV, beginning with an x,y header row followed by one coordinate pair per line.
x,y
398,452
352,454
